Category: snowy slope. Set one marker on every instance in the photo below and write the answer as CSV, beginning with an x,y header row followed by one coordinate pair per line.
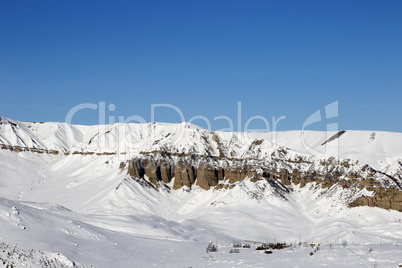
x,y
82,204
376,148
16,134
38,233
86,184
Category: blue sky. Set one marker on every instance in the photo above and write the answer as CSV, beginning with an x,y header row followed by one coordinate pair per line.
x,y
278,58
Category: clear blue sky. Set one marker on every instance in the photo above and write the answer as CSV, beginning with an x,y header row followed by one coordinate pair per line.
x,y
277,57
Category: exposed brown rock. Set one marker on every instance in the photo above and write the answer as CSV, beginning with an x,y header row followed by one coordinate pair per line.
x,y
104,153
165,170
383,198
238,173
215,138
83,153
184,175
206,172
54,152
208,176
150,170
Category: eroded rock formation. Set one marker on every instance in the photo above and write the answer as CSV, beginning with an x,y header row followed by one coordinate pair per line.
x,y
372,188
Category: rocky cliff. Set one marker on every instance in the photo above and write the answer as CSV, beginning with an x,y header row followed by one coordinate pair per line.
x,y
369,186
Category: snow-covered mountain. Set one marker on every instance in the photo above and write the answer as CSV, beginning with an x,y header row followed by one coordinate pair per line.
x,y
85,190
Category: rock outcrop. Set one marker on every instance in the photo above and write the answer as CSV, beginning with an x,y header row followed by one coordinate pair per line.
x,y
371,188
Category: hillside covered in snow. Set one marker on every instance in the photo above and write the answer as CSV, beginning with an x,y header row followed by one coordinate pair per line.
x,y
136,195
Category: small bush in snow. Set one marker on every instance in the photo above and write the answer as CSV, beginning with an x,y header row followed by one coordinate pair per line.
x,y
212,248
278,246
236,250
344,243
263,246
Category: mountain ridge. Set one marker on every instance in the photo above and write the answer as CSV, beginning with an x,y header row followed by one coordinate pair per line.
x,y
183,155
